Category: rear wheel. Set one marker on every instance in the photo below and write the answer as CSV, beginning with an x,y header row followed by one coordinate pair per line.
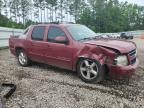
x,y
90,71
22,58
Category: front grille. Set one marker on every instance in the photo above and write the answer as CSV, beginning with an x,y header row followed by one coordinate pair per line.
x,y
133,52
132,56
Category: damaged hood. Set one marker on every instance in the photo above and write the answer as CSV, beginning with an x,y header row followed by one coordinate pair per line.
x,y
120,45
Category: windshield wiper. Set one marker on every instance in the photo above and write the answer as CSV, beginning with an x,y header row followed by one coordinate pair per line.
x,y
91,38
101,37
87,38
98,37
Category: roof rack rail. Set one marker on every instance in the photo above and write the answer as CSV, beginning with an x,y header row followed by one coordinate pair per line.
x,y
57,22
66,22
48,23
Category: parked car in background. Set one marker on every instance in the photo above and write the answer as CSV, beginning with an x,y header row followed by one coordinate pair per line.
x,y
104,35
75,47
126,36
115,35
142,36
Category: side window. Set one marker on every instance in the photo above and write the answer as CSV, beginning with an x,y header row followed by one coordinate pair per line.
x,y
55,32
38,33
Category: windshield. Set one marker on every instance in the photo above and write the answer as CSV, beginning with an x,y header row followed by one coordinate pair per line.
x,y
80,32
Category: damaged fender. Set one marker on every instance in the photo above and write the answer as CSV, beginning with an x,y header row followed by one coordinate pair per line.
x,y
101,54
90,52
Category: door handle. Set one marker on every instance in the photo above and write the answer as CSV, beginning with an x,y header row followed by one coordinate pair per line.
x,y
48,45
32,44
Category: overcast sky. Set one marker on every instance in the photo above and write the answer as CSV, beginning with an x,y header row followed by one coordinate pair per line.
x,y
139,2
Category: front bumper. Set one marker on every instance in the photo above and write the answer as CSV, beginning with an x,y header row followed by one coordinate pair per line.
x,y
122,71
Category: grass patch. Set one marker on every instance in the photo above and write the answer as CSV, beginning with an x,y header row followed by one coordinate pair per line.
x,y
2,48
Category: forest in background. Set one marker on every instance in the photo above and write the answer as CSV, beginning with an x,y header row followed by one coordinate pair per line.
x,y
99,15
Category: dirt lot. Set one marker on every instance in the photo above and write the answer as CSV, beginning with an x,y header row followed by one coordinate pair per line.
x,y
43,86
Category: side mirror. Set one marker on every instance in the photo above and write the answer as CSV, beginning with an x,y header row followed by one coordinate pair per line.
x,y
61,39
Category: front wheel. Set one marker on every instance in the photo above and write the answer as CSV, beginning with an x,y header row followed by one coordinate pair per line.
x,y
90,71
22,58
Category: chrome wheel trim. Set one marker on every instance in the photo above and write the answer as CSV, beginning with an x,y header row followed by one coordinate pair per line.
x,y
89,69
22,58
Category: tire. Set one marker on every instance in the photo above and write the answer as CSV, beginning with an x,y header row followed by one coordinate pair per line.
x,y
90,71
23,58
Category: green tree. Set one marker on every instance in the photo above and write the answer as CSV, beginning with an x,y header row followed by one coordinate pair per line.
x,y
15,9
39,5
76,8
111,16
25,9
51,6
1,5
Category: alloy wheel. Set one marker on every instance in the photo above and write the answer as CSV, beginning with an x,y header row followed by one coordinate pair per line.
x,y
89,69
22,58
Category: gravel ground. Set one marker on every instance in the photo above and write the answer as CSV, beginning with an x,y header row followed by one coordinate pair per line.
x,y
43,86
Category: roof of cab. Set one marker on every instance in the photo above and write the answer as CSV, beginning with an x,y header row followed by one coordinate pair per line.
x,y
55,23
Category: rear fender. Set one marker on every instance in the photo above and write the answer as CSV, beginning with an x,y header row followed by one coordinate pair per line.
x,y
20,45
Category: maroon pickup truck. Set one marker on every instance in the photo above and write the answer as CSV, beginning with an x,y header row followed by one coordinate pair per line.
x,y
75,47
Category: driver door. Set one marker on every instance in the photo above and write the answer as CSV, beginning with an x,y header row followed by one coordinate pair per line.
x,y
61,52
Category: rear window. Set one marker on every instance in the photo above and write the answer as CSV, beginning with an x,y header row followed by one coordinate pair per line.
x,y
38,33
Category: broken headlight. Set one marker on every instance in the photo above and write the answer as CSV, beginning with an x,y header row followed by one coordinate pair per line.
x,y
121,60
